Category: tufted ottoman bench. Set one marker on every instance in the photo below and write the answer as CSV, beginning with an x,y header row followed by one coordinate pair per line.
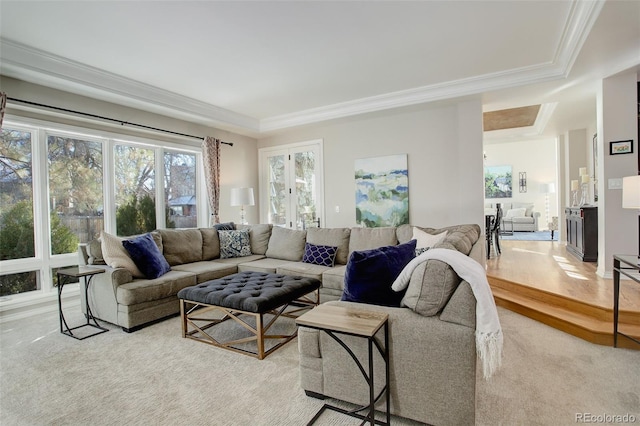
x,y
246,298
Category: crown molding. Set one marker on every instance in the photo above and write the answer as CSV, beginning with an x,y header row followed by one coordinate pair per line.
x,y
580,20
44,68
40,67
436,92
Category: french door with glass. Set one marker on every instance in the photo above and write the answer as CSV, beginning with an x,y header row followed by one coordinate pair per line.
x,y
291,185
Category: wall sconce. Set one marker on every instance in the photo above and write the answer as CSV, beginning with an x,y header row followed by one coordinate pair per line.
x,y
523,181
242,197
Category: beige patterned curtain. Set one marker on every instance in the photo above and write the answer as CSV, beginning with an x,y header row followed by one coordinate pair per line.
x,y
3,106
211,159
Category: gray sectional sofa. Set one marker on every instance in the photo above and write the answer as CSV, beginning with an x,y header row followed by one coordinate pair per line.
x,y
433,357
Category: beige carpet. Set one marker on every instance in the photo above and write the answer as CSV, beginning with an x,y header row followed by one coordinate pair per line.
x,y
156,377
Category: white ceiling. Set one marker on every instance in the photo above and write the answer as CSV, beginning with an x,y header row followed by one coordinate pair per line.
x,y
256,67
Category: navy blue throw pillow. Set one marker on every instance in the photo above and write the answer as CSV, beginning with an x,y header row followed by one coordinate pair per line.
x,y
146,255
370,273
319,255
226,226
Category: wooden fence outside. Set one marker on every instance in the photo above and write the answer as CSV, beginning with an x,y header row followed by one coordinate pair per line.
x,y
88,228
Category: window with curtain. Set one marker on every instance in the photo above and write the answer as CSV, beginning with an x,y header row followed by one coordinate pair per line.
x,y
60,186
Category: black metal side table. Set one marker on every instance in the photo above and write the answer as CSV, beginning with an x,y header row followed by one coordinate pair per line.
x,y
335,320
628,266
64,277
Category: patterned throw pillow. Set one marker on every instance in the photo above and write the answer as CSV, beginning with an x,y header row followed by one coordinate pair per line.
x,y
319,255
234,243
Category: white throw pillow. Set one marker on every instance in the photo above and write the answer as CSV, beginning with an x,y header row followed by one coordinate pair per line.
x,y
116,256
516,212
426,240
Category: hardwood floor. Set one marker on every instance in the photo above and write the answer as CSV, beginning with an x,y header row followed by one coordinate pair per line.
x,y
543,281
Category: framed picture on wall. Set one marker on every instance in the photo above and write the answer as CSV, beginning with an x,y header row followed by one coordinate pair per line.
x,y
497,182
621,147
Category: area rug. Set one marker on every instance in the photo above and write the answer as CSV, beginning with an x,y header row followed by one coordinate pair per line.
x,y
531,236
155,377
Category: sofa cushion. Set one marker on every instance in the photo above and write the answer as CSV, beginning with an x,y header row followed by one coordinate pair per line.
x,y
431,285
286,244
259,235
147,256
335,237
302,269
333,278
520,212
207,270
210,244
144,290
371,238
527,206
459,237
263,265
522,219
116,256
319,255
181,245
370,274
234,243
239,260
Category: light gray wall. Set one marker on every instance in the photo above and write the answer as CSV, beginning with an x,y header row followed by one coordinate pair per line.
x,y
239,163
444,147
617,120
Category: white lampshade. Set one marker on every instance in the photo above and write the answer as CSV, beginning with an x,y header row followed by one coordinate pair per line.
x,y
242,197
548,188
631,192
552,188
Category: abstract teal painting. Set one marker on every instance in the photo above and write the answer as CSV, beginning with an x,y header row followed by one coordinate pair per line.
x,y
382,191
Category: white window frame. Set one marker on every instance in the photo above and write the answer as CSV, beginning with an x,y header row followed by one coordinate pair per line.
x,y
44,261
288,150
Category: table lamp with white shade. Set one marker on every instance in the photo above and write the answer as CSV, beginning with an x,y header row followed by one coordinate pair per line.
x,y
242,197
631,198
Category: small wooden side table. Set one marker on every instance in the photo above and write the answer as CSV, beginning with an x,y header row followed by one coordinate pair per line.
x,y
628,266
335,320
64,277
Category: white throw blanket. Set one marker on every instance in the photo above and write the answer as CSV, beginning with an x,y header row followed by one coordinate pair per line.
x,y
488,330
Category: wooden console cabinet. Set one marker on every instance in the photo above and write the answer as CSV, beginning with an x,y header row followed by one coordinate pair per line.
x,y
582,232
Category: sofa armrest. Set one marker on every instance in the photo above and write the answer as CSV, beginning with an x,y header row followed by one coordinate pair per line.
x,y
102,292
432,366
83,255
536,218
